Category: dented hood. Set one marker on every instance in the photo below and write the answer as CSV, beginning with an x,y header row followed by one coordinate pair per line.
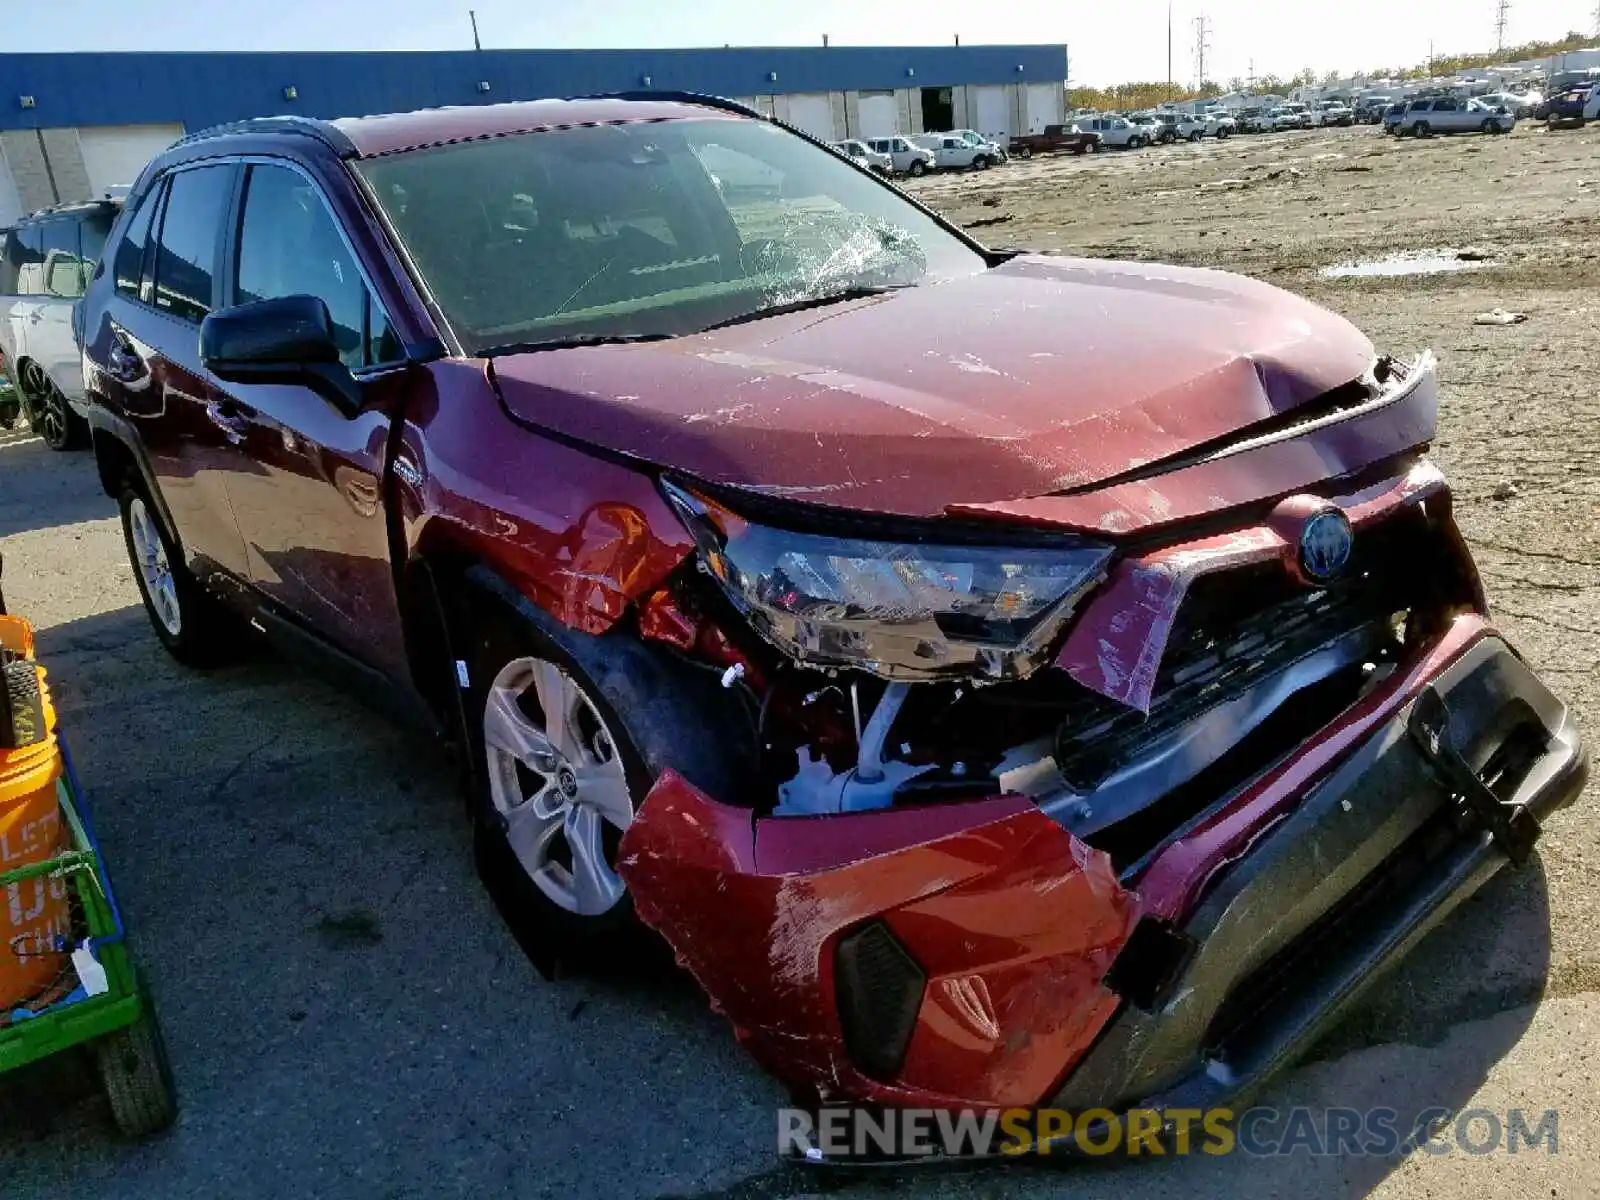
x,y
1039,375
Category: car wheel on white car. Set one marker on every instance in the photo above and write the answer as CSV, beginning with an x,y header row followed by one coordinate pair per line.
x,y
49,413
980,163
917,168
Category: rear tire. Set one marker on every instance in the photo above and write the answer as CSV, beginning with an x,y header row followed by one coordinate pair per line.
x,y
1422,129
1025,152
137,1077
188,621
1196,135
49,414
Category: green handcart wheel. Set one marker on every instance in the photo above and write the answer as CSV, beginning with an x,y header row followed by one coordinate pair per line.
x,y
137,1076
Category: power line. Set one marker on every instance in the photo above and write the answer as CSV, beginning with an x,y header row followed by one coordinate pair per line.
x,y
1202,43
1500,12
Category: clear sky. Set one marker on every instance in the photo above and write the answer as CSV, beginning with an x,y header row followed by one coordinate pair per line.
x,y
1107,42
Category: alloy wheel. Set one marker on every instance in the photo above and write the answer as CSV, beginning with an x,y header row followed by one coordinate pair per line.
x,y
155,571
558,784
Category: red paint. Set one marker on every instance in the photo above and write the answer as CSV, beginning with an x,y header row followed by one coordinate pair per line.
x,y
587,541
1249,477
1026,379
1116,644
1013,918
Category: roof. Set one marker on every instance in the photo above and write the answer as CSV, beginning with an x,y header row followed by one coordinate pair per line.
x,y
393,132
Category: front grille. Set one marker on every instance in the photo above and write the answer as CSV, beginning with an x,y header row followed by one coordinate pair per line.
x,y
1238,627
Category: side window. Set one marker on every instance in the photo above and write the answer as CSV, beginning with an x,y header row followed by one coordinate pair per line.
x,y
290,245
93,229
63,276
187,249
29,261
128,266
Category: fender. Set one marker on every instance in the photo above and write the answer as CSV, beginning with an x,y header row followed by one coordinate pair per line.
x,y
116,446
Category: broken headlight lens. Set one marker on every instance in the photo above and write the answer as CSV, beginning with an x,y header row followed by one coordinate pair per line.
x,y
902,610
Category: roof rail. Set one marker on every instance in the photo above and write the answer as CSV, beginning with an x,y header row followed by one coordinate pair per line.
x,y
323,131
700,98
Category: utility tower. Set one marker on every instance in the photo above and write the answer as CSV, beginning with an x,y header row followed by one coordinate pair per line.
x,y
1202,43
1501,9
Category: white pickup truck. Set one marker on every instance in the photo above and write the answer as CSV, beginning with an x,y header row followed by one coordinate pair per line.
x,y
952,152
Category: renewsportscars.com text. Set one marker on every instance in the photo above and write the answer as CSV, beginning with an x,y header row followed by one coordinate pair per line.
x,y
859,1133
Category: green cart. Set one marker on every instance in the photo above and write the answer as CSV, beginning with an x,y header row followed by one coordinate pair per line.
x,y
113,1017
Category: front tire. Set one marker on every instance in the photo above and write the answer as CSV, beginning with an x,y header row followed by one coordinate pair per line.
x,y
917,169
569,732
1025,152
1196,135
1422,129
188,621
980,163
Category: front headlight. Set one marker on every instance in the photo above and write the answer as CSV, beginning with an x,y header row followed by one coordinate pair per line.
x,y
900,610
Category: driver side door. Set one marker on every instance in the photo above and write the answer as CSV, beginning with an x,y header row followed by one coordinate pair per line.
x,y
308,485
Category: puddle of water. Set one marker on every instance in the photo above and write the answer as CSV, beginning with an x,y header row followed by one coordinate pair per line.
x,y
1407,262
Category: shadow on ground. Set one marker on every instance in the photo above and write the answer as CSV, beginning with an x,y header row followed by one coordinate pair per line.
x,y
45,489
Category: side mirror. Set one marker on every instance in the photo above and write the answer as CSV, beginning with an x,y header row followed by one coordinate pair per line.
x,y
285,340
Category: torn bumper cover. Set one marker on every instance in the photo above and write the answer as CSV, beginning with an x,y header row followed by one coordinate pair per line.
x,y
978,955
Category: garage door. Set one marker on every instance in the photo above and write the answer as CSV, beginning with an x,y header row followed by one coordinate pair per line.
x,y
879,115
10,203
812,112
1045,101
991,109
115,155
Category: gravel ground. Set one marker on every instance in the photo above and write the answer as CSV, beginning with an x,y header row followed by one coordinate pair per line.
x,y
347,1015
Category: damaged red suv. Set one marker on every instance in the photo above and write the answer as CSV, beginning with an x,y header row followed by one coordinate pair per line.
x,y
1002,679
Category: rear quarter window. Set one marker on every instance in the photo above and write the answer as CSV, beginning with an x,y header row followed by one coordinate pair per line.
x,y
186,253
127,266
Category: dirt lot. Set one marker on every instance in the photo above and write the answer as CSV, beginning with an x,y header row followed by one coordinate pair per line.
x,y
349,1018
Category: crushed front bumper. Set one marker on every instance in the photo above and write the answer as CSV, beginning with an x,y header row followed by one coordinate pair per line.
x,y
977,955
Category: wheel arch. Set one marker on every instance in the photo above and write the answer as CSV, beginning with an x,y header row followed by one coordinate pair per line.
x,y
676,712
120,463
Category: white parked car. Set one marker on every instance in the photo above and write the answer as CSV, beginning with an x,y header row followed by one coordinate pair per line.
x,y
45,263
1117,131
952,153
1298,117
904,158
864,156
1191,126
1453,114
1591,106
1219,124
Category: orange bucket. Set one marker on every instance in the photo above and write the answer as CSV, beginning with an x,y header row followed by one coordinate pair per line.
x,y
35,913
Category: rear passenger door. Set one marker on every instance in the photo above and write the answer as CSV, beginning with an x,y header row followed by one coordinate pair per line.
x,y
148,357
308,492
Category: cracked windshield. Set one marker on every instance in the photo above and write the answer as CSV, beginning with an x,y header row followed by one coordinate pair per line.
x,y
648,229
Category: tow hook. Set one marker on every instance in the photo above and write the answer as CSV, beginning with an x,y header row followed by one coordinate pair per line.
x,y
1514,829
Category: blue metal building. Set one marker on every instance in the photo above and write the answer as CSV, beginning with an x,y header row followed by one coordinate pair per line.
x,y
72,125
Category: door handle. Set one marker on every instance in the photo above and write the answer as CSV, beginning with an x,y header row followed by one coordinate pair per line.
x,y
231,417
124,362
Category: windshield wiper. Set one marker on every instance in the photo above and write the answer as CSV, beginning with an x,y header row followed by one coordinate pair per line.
x,y
573,341
778,310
